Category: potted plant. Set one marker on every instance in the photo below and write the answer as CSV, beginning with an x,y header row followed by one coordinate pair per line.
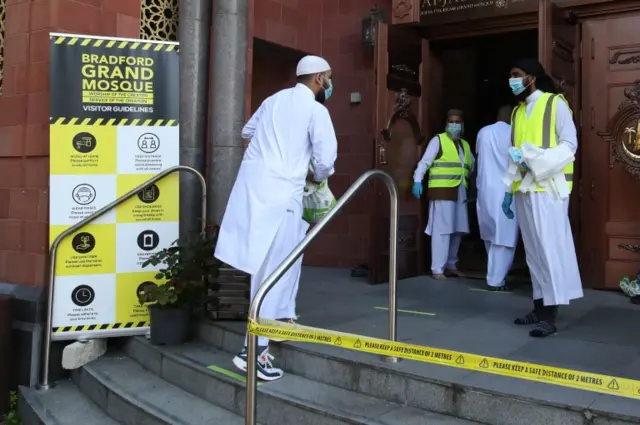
x,y
186,268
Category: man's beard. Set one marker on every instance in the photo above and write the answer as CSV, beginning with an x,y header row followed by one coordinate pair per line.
x,y
321,97
525,94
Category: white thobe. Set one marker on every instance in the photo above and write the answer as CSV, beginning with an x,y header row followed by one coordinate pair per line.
x,y
545,227
263,219
448,220
500,235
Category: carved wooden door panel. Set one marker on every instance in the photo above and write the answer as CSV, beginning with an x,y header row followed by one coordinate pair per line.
x,y
397,140
558,42
611,86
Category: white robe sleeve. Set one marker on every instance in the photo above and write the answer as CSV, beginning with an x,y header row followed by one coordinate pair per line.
x,y
565,128
324,144
427,159
249,128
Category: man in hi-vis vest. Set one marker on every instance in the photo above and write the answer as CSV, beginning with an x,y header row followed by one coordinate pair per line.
x,y
541,175
449,162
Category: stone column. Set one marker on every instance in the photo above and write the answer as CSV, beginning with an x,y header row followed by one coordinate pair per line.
x,y
227,101
194,37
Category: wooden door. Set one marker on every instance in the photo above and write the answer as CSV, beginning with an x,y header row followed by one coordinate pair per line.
x,y
558,52
397,148
611,105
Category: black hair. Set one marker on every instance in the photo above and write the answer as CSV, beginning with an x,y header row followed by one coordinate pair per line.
x,y
534,68
304,79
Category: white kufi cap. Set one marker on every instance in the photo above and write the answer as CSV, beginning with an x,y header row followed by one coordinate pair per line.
x,y
312,65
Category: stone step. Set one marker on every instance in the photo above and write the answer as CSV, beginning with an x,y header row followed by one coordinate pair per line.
x,y
63,404
133,396
476,396
293,400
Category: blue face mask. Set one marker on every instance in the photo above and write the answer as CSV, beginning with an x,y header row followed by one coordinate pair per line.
x,y
454,130
517,85
328,91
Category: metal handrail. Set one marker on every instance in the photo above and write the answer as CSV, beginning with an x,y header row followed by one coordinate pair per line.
x,y
44,383
267,285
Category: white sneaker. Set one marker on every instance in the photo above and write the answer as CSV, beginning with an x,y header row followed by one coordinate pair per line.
x,y
265,368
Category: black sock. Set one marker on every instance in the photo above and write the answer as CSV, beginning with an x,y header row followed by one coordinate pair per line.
x,y
548,314
533,317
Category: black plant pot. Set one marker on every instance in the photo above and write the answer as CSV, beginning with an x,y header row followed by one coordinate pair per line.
x,y
169,326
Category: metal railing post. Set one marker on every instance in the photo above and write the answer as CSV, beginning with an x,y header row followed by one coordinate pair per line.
x,y
44,383
256,303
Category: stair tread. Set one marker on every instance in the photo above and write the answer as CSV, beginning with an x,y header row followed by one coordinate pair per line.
x,y
53,406
161,399
311,394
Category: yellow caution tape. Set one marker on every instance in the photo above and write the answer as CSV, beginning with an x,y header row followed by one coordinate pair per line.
x,y
550,375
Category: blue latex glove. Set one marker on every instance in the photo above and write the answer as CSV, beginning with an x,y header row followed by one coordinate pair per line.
x,y
515,154
506,205
417,190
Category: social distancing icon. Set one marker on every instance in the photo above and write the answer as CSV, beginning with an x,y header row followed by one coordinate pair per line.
x,y
148,143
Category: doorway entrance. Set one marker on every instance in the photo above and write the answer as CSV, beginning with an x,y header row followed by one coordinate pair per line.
x,y
475,79
420,72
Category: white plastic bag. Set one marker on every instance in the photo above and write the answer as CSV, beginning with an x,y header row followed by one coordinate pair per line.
x,y
317,200
546,163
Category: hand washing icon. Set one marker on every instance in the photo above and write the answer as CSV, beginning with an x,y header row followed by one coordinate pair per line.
x,y
83,243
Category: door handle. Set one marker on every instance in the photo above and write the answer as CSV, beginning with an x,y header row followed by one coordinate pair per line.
x,y
382,153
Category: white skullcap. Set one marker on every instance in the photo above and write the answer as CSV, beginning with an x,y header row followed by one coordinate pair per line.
x,y
312,65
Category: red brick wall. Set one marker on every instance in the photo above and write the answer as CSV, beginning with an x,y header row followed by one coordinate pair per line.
x,y
332,28
24,122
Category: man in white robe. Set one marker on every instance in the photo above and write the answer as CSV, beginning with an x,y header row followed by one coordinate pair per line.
x,y
448,215
543,216
263,222
500,234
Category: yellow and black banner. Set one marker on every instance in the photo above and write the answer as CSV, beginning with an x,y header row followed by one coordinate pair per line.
x,y
94,77
114,124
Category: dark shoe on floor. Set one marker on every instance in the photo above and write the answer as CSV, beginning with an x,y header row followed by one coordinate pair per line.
x,y
503,288
543,330
529,319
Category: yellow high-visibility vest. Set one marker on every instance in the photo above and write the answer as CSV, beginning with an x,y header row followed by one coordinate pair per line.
x,y
447,171
538,129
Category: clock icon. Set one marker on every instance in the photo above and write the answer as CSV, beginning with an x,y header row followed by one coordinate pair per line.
x,y
83,295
